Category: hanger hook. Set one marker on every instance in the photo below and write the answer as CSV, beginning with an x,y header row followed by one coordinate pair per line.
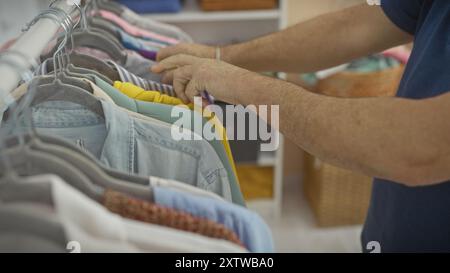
x,y
71,25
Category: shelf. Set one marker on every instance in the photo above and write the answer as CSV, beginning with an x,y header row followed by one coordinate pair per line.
x,y
193,13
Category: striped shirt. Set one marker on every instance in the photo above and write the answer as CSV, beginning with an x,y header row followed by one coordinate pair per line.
x,y
149,85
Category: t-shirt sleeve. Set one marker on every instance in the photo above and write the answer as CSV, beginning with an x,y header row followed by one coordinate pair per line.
x,y
403,13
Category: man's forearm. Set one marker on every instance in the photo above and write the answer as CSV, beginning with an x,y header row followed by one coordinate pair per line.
x,y
323,42
392,138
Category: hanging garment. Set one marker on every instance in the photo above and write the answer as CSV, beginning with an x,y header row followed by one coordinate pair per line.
x,y
133,146
175,185
144,211
126,76
98,230
138,93
249,226
164,113
135,43
139,46
151,181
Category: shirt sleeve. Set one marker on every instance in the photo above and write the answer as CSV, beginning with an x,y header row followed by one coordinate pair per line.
x,y
403,13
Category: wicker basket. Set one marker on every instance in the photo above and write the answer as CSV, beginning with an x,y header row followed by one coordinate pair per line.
x,y
218,5
356,85
340,197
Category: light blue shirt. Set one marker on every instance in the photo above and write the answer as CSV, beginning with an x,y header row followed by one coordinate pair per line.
x,y
251,229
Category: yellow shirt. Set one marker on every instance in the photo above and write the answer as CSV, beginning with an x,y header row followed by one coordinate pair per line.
x,y
135,92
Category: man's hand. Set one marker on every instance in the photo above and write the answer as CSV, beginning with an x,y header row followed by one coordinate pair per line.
x,y
191,76
196,50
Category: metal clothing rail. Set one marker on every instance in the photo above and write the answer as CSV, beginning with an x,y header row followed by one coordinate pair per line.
x,y
30,46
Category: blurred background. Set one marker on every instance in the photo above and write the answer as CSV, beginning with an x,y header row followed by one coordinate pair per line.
x,y
310,206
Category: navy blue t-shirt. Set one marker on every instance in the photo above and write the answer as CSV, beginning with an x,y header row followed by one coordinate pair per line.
x,y
403,219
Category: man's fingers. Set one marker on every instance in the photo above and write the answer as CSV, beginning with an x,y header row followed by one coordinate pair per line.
x,y
191,91
169,51
167,78
174,62
181,79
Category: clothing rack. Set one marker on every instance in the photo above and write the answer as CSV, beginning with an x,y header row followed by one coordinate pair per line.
x,y
31,44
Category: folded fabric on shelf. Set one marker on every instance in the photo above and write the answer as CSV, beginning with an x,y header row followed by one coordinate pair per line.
x,y
155,26
136,31
153,6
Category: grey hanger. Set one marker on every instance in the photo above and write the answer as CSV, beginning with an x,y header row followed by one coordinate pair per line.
x,y
139,180
66,79
90,62
100,23
96,39
58,91
79,72
111,6
26,162
88,73
111,37
95,64
34,221
70,78
95,173
15,189
18,242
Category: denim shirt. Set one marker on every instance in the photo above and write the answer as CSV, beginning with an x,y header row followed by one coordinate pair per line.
x,y
132,145
163,112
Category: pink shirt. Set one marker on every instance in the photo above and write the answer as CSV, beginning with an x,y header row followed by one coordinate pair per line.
x,y
133,30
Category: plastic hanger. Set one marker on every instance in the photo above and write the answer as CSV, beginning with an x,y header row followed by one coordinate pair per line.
x,y
90,66
58,91
79,71
31,220
86,36
118,175
62,76
100,23
95,39
26,162
92,171
110,6
92,63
